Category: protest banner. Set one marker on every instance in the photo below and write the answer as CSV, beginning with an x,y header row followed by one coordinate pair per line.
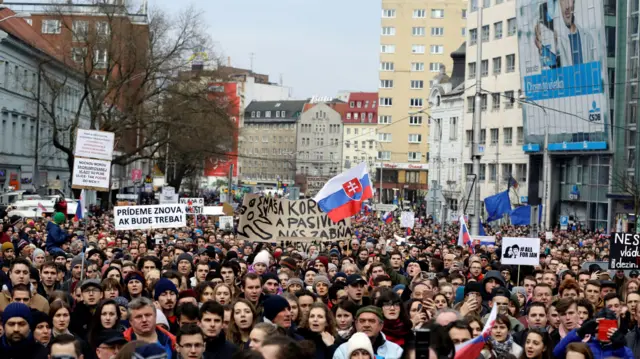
x,y
226,223
407,219
91,174
212,211
94,144
168,198
624,251
194,205
267,219
520,251
150,217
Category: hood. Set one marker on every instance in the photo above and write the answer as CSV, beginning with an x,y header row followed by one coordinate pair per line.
x,y
493,274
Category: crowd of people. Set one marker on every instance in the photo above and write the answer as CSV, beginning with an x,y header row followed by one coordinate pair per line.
x,y
83,290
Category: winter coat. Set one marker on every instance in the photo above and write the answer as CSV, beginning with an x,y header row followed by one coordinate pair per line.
x,y
322,350
165,339
633,341
387,350
56,237
599,351
219,348
27,348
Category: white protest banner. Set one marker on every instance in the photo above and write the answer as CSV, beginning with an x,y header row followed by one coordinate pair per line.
x,y
150,217
126,196
91,174
168,191
168,199
520,251
212,211
384,207
226,223
94,144
407,219
548,236
194,205
267,219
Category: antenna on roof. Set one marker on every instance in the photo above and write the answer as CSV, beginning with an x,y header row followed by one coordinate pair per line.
x,y
251,56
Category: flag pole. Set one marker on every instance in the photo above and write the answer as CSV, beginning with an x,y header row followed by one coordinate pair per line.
x,y
518,280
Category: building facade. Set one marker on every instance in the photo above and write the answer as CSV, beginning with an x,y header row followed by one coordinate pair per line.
x,y
446,102
502,129
267,144
416,36
360,120
319,144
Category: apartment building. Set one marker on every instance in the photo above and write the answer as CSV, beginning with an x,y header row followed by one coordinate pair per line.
x,y
360,120
502,127
416,39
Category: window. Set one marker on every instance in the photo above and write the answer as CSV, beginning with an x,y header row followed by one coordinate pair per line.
x,y
497,65
417,84
511,63
482,176
415,102
388,31
520,135
50,26
453,128
79,54
483,137
417,49
417,66
508,136
464,31
434,66
484,68
415,138
486,3
497,30
492,172
473,36
468,137
258,114
388,49
507,170
471,70
348,118
384,137
511,26
521,172
80,30
384,155
437,49
388,13
437,31
483,101
387,66
474,5
386,84
415,156
384,119
495,101
102,28
101,59
508,99
494,136
471,104
415,120
485,33
437,13
253,114
386,101
464,13
419,13
417,31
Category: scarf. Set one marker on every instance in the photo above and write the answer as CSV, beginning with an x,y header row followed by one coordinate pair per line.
x,y
503,348
347,333
55,333
395,331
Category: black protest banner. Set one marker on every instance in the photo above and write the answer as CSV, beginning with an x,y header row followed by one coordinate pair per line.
x,y
624,251
267,219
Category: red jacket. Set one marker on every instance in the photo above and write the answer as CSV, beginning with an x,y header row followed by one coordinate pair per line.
x,y
163,336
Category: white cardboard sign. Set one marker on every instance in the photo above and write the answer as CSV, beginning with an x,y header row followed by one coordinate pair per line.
x,y
150,217
407,219
520,251
94,144
226,223
212,211
194,205
91,174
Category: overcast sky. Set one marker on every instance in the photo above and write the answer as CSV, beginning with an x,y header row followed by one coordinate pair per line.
x,y
318,46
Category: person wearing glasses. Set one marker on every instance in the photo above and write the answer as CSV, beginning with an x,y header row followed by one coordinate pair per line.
x,y
397,325
190,342
83,312
109,343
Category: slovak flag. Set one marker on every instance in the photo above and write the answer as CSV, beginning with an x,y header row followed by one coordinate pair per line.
x,y
80,207
387,217
464,237
43,209
343,195
472,348
367,210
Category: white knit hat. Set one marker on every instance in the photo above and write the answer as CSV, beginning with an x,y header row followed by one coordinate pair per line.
x,y
359,341
161,318
262,257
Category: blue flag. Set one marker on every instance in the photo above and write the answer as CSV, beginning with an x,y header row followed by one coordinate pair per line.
x,y
521,216
481,231
497,205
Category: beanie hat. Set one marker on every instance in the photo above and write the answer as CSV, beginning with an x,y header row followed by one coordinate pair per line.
x,y
340,275
324,260
134,275
289,263
59,218
7,246
20,310
39,317
122,302
370,309
273,305
520,290
270,275
185,257
472,287
187,293
163,285
359,341
76,261
334,252
321,279
332,267
153,350
294,281
22,244
262,257
399,287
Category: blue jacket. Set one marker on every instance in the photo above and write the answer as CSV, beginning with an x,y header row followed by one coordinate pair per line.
x,y
55,237
599,351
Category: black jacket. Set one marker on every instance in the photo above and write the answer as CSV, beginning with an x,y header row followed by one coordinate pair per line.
x,y
322,350
80,320
219,348
633,341
28,348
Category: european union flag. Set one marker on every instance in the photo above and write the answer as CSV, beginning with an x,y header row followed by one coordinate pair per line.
x,y
497,205
481,231
521,216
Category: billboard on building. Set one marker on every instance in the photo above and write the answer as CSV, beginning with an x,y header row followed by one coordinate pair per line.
x,y
562,57
226,93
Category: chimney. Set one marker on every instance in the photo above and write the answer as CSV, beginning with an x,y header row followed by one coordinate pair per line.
x,y
229,61
457,73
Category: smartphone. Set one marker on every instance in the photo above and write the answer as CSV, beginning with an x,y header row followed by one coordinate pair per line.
x,y
423,341
603,327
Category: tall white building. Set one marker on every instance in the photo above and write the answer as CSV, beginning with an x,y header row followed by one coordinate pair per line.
x,y
446,103
501,129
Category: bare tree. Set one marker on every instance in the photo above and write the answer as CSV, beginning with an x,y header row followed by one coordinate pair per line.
x,y
625,184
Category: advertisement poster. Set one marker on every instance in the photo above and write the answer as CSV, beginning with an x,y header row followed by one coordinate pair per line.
x,y
562,57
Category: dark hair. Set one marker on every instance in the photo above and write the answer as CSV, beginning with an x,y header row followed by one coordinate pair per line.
x,y
609,296
593,282
212,307
49,264
188,329
389,296
584,302
189,310
437,264
334,289
306,292
56,306
289,348
564,304
504,320
569,284
581,348
535,304
348,306
20,261
459,324
252,276
65,339
381,278
96,324
112,283
201,287
21,288
546,341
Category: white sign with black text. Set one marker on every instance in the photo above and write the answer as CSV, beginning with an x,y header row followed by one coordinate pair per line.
x,y
91,174
520,251
226,223
407,219
150,217
194,205
94,144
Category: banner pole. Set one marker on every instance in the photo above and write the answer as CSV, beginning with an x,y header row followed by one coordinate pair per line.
x,y
518,280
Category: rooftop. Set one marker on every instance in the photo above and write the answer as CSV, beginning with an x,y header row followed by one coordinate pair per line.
x,y
292,109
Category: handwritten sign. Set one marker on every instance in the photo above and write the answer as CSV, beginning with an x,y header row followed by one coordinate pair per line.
x,y
194,205
91,174
150,217
266,219
624,251
407,219
521,251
